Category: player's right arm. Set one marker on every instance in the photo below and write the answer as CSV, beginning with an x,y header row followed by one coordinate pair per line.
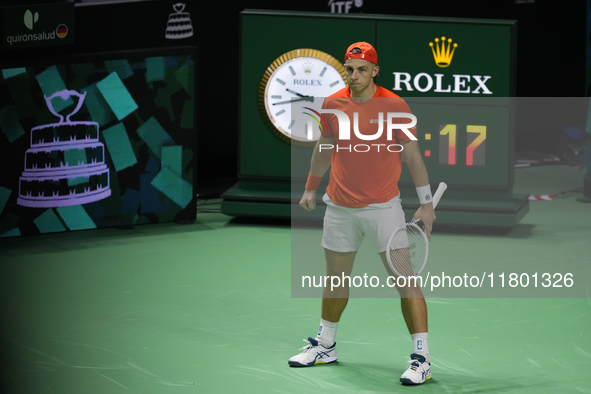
x,y
320,162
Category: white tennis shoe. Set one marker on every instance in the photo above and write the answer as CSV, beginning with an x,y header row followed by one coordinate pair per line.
x,y
418,371
314,353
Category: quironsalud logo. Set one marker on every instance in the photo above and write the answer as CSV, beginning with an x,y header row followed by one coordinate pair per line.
x,y
30,19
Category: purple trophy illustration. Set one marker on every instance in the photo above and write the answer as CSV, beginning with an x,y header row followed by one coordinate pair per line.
x,y
66,162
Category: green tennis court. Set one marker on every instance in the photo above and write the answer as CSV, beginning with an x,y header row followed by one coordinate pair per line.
x,y
207,308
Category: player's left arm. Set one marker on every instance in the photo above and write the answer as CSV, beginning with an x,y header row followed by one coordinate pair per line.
x,y
418,171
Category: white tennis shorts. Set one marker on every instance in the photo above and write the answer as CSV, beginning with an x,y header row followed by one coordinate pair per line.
x,y
345,228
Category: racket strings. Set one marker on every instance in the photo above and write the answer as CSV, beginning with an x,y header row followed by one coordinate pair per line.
x,y
408,250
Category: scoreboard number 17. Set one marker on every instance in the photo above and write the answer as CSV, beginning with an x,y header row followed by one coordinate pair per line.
x,y
475,145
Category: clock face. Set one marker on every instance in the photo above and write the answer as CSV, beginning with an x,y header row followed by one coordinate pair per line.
x,y
299,79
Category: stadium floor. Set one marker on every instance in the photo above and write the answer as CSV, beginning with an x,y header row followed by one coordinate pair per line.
x,y
207,308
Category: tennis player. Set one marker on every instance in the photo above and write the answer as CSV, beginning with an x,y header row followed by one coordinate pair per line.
x,y
363,202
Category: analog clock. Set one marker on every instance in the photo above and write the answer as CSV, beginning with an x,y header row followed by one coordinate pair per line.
x,y
295,80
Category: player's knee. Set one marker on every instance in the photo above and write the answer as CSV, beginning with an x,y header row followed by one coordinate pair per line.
x,y
409,291
336,270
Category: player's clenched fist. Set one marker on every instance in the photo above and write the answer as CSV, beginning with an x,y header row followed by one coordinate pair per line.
x,y
308,201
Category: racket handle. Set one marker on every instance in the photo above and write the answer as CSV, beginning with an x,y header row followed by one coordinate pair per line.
x,y
438,193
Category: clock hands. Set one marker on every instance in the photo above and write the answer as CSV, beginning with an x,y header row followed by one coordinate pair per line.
x,y
303,98
306,98
296,93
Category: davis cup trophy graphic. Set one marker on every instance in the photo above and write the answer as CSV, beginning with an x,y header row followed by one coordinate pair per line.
x,y
66,162
179,24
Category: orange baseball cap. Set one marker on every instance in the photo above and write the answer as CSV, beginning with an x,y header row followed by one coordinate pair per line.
x,y
362,50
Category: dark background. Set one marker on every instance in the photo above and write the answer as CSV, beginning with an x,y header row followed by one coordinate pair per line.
x,y
550,57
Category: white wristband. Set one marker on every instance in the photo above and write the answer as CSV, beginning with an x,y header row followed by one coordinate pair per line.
x,y
424,193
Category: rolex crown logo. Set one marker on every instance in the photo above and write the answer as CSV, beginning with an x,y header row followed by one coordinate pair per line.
x,y
308,67
443,53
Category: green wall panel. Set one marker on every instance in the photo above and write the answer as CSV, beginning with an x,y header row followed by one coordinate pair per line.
x,y
265,37
483,49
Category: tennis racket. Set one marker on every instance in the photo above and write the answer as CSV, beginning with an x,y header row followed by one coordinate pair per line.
x,y
408,247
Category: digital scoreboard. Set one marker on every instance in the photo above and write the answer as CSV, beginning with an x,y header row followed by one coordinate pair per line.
x,y
465,144
458,77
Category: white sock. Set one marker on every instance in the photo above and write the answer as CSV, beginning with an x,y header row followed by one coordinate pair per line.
x,y
327,333
420,342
